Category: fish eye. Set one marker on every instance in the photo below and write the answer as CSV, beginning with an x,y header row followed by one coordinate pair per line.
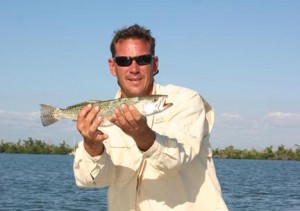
x,y
154,100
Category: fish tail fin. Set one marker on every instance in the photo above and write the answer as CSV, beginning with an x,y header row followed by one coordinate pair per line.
x,y
50,114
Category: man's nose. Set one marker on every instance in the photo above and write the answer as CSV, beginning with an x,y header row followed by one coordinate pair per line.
x,y
134,67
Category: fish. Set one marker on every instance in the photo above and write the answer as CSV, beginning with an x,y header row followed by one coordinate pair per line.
x,y
146,105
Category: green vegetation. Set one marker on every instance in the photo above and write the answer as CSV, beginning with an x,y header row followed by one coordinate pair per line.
x,y
267,154
32,146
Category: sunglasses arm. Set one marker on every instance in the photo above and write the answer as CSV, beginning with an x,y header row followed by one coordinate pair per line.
x,y
156,72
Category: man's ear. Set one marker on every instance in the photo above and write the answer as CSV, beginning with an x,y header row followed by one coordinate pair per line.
x,y
111,65
155,72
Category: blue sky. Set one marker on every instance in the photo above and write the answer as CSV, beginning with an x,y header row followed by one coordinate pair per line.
x,y
242,56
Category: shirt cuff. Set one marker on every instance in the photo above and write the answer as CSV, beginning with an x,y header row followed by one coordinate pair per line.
x,y
99,159
157,147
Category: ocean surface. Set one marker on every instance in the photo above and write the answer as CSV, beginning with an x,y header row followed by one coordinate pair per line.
x,y
46,182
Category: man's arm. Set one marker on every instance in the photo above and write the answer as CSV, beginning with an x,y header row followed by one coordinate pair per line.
x,y
87,124
135,125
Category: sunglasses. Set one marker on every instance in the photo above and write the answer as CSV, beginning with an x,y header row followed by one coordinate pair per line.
x,y
125,61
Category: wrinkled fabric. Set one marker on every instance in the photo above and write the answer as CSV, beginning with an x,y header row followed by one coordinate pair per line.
x,y
176,173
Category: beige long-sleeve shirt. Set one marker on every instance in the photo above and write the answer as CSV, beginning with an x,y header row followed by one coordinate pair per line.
x,y
176,173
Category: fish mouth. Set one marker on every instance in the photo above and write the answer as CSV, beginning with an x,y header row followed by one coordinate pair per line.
x,y
163,105
167,105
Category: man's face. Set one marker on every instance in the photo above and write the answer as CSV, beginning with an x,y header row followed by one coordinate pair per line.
x,y
135,79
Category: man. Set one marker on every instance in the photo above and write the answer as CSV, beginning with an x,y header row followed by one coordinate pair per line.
x,y
163,162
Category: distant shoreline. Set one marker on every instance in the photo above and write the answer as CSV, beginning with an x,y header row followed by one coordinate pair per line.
x,y
34,146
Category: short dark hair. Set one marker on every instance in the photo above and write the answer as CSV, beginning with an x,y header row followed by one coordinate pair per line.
x,y
134,31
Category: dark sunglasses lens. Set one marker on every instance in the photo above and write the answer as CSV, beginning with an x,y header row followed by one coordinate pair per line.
x,y
144,60
123,61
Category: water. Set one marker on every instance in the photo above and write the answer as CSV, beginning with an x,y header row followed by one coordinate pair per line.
x,y
46,182
260,184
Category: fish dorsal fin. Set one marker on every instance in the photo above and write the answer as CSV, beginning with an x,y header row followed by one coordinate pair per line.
x,y
83,103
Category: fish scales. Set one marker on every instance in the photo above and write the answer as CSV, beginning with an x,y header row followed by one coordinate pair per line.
x,y
106,107
146,105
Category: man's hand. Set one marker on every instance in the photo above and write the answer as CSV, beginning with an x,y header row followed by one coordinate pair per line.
x,y
135,125
87,124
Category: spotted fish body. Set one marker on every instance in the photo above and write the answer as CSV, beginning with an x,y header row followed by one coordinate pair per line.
x,y
146,105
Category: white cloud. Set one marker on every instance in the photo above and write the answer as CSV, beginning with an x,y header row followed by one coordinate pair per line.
x,y
231,116
18,119
273,128
282,119
233,120
21,125
271,119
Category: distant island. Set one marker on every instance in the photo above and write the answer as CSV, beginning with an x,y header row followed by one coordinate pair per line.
x,y
34,146
268,153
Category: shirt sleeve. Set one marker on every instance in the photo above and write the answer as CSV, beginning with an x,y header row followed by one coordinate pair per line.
x,y
88,170
179,138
